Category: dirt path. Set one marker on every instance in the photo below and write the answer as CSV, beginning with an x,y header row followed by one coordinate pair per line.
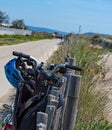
x,y
41,50
105,83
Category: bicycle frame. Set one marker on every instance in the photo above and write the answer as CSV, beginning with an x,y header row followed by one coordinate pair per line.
x,y
8,120
55,102
64,117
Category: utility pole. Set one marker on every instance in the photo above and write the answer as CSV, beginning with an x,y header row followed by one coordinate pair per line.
x,y
80,29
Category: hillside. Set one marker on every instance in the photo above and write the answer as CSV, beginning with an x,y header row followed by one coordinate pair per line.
x,y
42,29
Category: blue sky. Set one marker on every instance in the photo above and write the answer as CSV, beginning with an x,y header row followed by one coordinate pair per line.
x,y
63,15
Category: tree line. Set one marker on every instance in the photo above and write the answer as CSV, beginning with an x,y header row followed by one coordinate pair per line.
x,y
18,23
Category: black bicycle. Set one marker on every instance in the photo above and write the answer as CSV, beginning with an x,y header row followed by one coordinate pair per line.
x,y
41,99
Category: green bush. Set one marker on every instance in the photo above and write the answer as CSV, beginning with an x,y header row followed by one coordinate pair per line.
x,y
93,125
96,36
15,39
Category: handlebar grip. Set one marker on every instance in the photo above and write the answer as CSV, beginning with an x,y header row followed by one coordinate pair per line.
x,y
74,67
20,54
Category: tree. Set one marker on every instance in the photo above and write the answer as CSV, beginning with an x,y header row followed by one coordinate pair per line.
x,y
4,18
19,24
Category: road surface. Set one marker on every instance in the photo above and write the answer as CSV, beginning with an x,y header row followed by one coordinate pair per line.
x,y
41,50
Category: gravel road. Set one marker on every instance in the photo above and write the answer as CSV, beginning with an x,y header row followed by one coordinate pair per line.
x,y
41,50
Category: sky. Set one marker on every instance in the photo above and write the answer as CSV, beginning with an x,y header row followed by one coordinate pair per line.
x,y
64,15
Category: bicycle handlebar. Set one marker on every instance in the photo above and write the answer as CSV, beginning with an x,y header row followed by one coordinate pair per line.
x,y
54,68
77,68
19,54
63,66
74,67
29,59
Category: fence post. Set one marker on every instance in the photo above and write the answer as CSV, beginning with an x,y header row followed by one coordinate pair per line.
x,y
72,102
58,120
41,123
51,107
50,110
71,61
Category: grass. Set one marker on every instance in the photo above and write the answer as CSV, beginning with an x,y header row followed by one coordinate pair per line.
x,y
15,39
91,107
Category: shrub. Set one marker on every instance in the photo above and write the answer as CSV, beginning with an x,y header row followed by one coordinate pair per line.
x,y
92,103
96,36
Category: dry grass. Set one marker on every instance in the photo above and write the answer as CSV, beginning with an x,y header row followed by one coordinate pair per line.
x,y
92,102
